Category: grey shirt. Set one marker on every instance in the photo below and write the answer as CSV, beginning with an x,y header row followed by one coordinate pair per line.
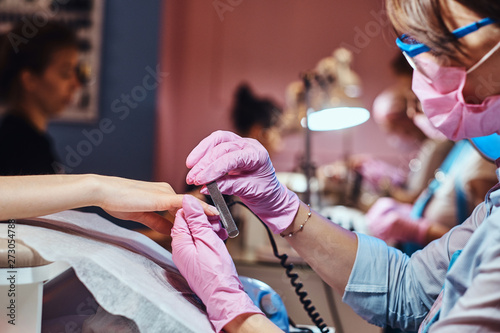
x,y
386,287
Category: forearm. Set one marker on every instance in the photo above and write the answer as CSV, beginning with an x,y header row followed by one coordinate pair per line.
x,y
329,249
30,196
251,323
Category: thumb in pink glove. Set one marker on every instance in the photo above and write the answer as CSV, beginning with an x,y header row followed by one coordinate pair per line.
x,y
242,167
203,260
390,220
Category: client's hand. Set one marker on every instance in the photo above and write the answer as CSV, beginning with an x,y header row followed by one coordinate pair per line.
x,y
139,201
31,196
202,258
388,219
242,167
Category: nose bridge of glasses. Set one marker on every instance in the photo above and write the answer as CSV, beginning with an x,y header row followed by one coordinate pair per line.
x,y
414,48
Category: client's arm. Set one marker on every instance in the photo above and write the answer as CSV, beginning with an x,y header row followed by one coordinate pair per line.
x,y
30,196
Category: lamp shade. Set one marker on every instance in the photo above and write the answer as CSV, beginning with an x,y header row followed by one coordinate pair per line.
x,y
337,118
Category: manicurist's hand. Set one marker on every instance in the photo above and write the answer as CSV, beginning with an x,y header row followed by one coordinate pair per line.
x,y
202,258
242,167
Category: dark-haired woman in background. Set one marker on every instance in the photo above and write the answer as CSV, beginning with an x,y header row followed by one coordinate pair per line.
x,y
38,80
257,118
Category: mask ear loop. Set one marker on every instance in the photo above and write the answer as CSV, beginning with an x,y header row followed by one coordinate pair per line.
x,y
410,61
413,64
484,58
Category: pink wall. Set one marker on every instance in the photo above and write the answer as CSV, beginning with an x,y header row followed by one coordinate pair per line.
x,y
207,52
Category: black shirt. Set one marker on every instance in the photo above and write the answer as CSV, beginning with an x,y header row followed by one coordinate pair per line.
x,y
24,150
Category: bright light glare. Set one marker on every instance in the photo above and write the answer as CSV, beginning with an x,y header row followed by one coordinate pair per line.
x,y
337,118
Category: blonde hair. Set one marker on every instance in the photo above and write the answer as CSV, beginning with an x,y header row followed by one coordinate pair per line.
x,y
423,20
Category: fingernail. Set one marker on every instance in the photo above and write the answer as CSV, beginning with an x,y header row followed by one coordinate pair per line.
x,y
213,210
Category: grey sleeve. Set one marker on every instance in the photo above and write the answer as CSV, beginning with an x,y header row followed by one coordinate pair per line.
x,y
386,287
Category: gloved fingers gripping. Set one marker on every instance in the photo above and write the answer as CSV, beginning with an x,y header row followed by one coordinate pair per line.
x,y
180,233
238,185
217,227
194,215
202,230
228,159
243,186
207,144
190,220
213,165
180,225
213,220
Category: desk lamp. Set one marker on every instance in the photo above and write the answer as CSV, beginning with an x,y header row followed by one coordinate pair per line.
x,y
331,95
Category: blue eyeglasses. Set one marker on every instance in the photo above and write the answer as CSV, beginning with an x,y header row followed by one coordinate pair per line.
x,y
411,47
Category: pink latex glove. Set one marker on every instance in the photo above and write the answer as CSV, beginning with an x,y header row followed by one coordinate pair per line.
x,y
242,167
388,219
378,172
203,260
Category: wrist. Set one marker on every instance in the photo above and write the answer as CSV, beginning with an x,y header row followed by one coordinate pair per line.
x,y
251,322
235,307
93,190
301,215
278,209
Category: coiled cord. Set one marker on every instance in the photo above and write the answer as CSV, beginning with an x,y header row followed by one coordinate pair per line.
x,y
306,303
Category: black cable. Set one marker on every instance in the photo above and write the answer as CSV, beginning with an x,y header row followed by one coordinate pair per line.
x,y
307,304
301,329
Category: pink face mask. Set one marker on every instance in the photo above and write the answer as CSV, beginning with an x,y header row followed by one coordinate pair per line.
x,y
423,123
440,92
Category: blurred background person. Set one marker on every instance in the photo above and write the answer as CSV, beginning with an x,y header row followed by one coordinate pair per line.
x,y
253,117
394,111
430,192
38,80
439,192
257,117
460,184
420,152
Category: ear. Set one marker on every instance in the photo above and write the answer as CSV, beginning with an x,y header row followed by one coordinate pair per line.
x,y
27,80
